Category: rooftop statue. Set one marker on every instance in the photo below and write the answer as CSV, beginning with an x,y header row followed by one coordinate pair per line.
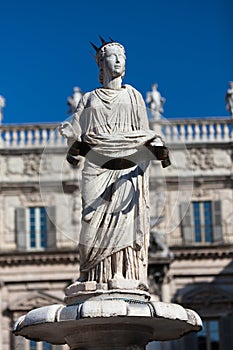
x,y
229,98
155,102
2,105
110,128
73,100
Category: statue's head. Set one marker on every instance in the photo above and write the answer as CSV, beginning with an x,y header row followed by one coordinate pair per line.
x,y
110,57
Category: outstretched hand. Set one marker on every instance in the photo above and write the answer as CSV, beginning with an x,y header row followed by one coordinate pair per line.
x,y
67,130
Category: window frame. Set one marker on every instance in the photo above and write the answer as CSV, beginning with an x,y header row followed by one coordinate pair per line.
x,y
187,223
39,213
201,227
47,225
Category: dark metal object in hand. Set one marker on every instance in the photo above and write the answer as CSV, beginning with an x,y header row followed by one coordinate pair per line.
x,y
83,149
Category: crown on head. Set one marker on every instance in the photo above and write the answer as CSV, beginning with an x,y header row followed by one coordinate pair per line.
x,y
100,50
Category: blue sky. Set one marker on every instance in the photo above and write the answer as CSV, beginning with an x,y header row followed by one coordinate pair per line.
x,y
184,46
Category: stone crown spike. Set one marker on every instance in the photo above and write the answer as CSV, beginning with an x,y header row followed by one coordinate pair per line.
x,y
95,47
103,43
102,40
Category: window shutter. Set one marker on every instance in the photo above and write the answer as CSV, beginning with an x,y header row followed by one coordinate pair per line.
x,y
21,234
186,223
217,221
51,227
226,330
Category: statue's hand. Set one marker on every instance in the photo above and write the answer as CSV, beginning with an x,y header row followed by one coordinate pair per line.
x,y
157,141
67,130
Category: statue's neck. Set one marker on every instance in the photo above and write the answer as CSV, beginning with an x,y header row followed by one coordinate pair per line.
x,y
112,83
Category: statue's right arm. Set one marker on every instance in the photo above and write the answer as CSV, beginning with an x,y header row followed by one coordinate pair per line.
x,y
72,131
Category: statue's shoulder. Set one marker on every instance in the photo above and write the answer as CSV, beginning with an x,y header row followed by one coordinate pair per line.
x,y
132,90
86,98
134,93
87,95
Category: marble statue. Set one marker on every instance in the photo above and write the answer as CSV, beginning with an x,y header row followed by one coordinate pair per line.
x,y
74,99
229,98
155,102
2,105
110,128
109,306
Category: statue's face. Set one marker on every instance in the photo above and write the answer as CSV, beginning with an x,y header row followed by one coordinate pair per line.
x,y
114,61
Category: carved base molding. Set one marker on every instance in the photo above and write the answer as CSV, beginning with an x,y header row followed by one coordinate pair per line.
x,y
117,323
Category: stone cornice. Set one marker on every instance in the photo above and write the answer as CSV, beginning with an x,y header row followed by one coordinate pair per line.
x,y
193,253
61,257
58,257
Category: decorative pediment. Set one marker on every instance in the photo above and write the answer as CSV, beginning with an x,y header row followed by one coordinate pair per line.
x,y
33,300
205,295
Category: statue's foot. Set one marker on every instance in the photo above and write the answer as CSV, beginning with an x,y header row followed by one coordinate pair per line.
x,y
118,276
82,277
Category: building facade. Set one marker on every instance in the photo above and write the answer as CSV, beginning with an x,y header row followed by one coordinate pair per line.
x,y
191,226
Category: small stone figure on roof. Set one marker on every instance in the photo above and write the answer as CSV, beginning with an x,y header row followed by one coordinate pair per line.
x,y
155,102
229,98
74,99
2,105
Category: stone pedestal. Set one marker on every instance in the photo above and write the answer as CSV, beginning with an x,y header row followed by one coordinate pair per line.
x,y
107,319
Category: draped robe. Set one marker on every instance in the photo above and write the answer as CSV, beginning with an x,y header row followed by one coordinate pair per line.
x,y
115,204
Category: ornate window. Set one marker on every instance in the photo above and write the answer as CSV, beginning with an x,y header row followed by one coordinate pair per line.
x,y
32,227
201,222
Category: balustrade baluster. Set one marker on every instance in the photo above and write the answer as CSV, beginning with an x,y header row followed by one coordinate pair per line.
x,y
22,138
189,137
197,134
211,132
37,137
14,137
204,132
7,138
182,132
44,137
175,132
218,132
30,137
51,137
226,132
